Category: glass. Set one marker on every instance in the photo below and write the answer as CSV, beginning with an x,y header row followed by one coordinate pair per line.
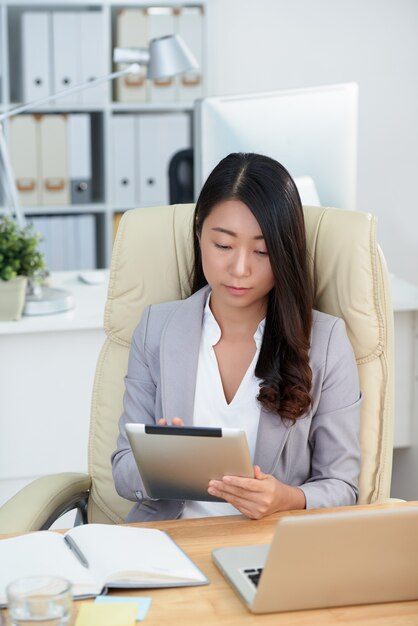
x,y
39,600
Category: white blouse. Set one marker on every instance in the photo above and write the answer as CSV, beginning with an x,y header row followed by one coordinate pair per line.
x,y
211,408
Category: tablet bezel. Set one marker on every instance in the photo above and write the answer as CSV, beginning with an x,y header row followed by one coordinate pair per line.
x,y
177,462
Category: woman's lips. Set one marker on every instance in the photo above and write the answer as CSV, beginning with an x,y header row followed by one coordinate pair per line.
x,y
237,291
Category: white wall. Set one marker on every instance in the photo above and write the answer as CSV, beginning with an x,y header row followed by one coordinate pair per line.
x,y
263,45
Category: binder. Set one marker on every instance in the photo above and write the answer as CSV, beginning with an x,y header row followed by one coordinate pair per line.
x,y
161,22
66,54
70,260
54,159
56,244
25,157
85,242
36,53
93,56
79,158
190,28
131,32
124,159
159,137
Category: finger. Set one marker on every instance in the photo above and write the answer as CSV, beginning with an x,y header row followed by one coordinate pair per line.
x,y
177,421
247,507
258,474
249,484
162,422
223,490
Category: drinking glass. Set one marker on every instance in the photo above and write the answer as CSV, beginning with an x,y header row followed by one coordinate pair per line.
x,y
39,601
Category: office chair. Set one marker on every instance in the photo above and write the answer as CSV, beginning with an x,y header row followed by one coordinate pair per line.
x,y
150,264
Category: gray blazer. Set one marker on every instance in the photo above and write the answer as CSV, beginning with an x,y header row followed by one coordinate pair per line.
x,y
320,452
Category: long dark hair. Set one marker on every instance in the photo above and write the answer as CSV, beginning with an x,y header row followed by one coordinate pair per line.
x,y
270,193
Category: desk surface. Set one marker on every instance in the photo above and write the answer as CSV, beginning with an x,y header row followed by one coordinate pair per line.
x,y
88,311
217,603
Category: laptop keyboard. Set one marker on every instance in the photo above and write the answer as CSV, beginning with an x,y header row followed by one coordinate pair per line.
x,y
253,575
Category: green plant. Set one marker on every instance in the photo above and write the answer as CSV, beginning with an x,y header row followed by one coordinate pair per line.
x,y
19,250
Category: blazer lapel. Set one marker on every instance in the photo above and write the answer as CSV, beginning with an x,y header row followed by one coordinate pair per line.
x,y
179,356
271,438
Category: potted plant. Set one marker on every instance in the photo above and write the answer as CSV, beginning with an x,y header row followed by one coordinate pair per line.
x,y
20,260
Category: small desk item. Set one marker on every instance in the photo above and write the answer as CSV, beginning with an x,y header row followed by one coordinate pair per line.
x,y
105,615
142,603
177,462
118,557
330,559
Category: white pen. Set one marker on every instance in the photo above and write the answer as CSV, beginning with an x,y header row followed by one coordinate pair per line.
x,y
74,548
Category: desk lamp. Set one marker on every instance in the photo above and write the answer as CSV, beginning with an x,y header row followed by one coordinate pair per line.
x,y
165,57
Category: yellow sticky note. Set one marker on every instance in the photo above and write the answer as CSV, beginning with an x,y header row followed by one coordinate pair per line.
x,y
91,614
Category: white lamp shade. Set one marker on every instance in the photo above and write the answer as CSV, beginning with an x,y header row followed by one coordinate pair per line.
x,y
169,56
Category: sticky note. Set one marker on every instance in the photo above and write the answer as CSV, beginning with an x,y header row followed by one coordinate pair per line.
x,y
92,614
142,603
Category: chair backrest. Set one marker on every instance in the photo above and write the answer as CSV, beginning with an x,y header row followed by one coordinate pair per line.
x,y
151,263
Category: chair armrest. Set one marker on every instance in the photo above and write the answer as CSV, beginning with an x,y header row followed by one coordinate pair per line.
x,y
39,504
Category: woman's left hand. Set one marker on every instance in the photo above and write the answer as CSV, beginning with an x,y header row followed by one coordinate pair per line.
x,y
259,496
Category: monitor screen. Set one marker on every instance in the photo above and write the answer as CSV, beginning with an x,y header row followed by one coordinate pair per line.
x,y
312,132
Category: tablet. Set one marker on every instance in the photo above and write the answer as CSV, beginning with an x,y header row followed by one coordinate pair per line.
x,y
177,462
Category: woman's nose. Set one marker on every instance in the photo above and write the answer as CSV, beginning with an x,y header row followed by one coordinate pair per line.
x,y
240,265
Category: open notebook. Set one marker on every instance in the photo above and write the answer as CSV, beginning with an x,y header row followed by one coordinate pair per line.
x,y
117,556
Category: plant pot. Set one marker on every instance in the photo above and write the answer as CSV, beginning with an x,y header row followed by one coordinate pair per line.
x,y
12,298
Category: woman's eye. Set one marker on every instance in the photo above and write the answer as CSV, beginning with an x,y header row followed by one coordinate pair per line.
x,y
262,253
221,246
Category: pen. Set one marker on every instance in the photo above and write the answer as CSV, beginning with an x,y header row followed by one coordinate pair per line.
x,y
77,552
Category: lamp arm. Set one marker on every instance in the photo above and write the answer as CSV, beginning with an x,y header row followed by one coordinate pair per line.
x,y
134,68
10,187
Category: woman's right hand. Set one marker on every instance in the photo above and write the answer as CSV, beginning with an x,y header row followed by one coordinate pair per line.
x,y
176,421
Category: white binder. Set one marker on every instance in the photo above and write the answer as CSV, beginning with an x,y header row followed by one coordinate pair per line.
x,y
85,242
36,54
159,137
190,28
25,157
69,243
56,244
161,22
131,32
54,160
66,53
93,56
124,161
79,157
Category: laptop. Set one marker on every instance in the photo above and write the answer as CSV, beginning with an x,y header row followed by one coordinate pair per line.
x,y
328,559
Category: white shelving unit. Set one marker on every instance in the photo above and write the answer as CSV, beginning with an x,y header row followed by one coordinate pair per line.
x,y
103,206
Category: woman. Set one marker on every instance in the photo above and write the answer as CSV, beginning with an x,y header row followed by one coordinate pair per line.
x,y
246,350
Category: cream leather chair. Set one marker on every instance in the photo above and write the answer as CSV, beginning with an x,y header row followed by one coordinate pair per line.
x,y
150,264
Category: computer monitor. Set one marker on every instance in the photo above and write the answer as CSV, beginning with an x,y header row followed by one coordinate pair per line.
x,y
312,132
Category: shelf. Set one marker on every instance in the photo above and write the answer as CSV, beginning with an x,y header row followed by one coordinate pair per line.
x,y
131,147
144,107
63,209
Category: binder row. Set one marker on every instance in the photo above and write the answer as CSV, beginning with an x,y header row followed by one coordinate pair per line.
x,y
69,242
63,48
136,27
51,158
142,148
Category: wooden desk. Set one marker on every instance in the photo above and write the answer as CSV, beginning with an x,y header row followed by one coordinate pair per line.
x,y
217,604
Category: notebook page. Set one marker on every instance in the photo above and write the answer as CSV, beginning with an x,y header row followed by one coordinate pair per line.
x,y
42,553
134,555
